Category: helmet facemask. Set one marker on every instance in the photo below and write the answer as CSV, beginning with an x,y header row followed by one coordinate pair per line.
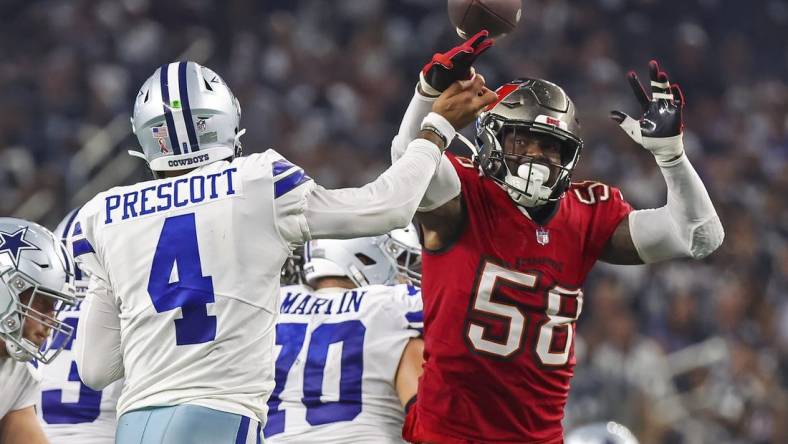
x,y
24,297
403,249
538,112
530,180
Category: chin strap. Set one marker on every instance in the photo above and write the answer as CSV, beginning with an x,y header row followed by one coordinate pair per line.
x,y
17,352
237,143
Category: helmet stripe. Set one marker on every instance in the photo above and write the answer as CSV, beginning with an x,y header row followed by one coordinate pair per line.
x,y
502,92
288,183
165,98
67,230
187,111
176,106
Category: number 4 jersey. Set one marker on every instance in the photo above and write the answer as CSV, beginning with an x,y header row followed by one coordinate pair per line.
x,y
500,307
339,351
192,262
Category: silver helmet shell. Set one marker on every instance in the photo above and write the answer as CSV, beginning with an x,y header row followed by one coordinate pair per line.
x,y
62,232
534,106
392,258
403,249
33,264
185,116
361,260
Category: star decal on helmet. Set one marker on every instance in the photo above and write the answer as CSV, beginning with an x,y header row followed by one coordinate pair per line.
x,y
15,243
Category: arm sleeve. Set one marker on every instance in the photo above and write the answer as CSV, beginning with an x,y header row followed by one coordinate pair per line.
x,y
687,226
378,207
445,184
97,345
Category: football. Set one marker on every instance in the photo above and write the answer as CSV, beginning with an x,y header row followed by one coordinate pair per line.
x,y
499,17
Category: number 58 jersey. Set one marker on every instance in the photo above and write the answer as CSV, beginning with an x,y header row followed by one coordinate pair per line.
x,y
338,355
504,317
192,262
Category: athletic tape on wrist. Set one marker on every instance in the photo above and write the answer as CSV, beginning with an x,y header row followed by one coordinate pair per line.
x,y
440,123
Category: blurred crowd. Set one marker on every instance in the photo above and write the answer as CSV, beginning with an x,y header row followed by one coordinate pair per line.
x,y
687,352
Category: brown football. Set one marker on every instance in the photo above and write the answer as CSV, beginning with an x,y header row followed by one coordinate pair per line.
x,y
499,17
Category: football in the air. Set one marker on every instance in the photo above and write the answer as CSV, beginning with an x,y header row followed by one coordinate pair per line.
x,y
499,17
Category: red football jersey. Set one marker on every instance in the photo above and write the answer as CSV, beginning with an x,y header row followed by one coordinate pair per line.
x,y
500,306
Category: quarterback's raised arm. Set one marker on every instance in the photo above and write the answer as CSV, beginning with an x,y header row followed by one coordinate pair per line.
x,y
392,199
688,225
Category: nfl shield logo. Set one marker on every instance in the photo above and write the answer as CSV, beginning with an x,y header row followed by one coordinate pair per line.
x,y
542,236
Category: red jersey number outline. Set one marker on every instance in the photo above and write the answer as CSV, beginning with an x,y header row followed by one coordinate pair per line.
x,y
585,192
491,278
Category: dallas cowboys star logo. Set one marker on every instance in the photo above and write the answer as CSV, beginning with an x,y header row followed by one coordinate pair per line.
x,y
15,243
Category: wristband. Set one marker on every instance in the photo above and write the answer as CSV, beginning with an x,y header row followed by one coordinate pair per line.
x,y
440,125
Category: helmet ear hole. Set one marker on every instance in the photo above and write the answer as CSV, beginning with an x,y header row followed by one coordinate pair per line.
x,y
489,149
497,168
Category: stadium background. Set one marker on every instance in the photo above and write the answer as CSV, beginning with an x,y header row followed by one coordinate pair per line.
x,y
687,352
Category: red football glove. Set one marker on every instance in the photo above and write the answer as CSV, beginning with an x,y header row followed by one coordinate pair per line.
x,y
456,64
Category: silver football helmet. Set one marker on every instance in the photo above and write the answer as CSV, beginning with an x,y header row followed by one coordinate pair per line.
x,y
533,106
184,117
601,433
63,231
36,270
376,260
403,249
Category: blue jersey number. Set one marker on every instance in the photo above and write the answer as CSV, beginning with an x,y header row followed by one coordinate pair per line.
x,y
291,337
192,291
88,405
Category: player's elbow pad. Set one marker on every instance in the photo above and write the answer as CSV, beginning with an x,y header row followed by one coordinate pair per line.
x,y
658,236
706,238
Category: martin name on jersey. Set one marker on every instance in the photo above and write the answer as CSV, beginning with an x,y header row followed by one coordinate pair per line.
x,y
338,354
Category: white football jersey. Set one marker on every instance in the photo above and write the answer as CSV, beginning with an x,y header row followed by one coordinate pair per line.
x,y
70,411
338,354
18,385
193,263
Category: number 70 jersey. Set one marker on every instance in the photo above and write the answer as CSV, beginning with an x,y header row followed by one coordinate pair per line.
x,y
338,355
193,264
